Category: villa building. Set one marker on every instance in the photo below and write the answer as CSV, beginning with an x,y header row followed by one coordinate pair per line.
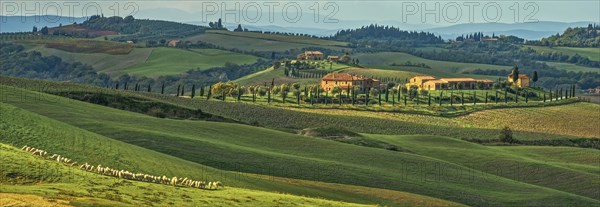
x,y
310,55
432,83
522,81
346,80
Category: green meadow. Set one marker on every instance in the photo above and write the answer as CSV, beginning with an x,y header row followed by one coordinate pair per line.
x,y
242,148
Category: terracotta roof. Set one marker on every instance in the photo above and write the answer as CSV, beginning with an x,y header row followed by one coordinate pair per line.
x,y
313,53
436,81
458,79
343,77
423,77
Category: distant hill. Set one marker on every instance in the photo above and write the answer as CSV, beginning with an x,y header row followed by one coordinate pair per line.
x,y
574,37
26,23
529,31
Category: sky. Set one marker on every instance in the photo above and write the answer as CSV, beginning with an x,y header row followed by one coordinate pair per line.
x,y
409,12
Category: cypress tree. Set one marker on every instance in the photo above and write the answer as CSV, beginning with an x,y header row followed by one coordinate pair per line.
x,y
496,98
223,95
239,94
474,97
556,94
550,95
441,97
486,97
405,102
544,97
117,86
182,90
193,90
149,88
162,89
125,86
178,89
387,95
379,94
429,99
462,98
526,97
561,94
269,95
209,92
517,95
393,98
367,97
201,90
326,95
451,98
353,95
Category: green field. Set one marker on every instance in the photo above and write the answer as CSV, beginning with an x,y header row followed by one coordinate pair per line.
x,y
21,127
172,61
60,185
592,53
263,42
383,60
152,62
111,64
282,38
252,149
78,45
572,67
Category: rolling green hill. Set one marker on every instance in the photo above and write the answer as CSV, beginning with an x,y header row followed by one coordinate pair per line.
x,y
25,184
263,42
438,68
152,62
559,174
251,149
298,118
171,61
592,53
21,127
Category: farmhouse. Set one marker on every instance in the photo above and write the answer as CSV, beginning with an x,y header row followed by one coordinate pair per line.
x,y
173,43
523,80
333,58
346,80
431,83
310,55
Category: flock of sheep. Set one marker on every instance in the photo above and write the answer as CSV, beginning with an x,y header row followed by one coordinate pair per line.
x,y
123,174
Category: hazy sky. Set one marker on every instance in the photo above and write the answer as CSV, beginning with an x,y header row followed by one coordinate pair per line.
x,y
411,12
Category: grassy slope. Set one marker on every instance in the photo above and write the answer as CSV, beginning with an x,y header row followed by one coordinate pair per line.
x,y
152,62
20,127
265,42
438,68
171,61
592,53
251,149
275,117
495,160
282,38
21,174
572,67
111,64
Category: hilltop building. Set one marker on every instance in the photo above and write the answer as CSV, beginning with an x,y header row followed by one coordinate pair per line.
x,y
310,55
523,80
432,83
333,58
346,80
174,43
